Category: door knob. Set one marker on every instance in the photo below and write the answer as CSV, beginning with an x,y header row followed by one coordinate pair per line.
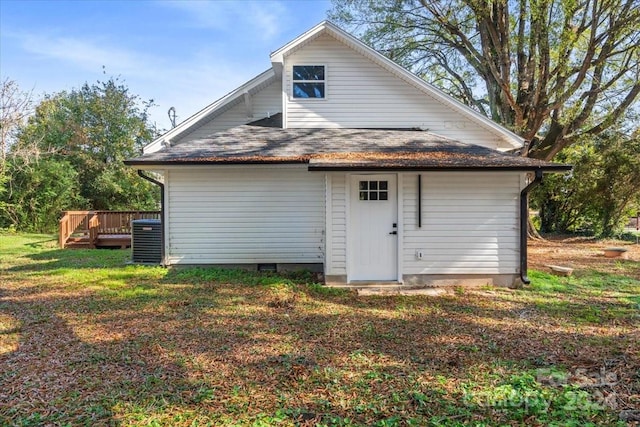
x,y
394,232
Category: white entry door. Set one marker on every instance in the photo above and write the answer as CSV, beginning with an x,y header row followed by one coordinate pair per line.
x,y
372,228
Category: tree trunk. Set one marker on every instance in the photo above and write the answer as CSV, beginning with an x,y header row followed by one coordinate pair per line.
x,y
532,233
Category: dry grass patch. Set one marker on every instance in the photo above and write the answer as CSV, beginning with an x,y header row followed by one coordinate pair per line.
x,y
88,340
584,253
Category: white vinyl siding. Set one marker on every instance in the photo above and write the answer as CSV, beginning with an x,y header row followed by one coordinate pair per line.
x,y
337,264
361,94
267,102
241,214
469,223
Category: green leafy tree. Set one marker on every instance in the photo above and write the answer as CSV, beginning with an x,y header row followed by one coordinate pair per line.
x,y
554,71
95,128
83,136
37,192
602,191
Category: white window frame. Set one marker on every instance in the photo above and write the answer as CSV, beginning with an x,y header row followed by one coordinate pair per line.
x,y
293,81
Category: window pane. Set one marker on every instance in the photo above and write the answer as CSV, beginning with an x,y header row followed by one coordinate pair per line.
x,y
383,185
383,195
364,185
373,185
363,195
373,195
308,72
308,90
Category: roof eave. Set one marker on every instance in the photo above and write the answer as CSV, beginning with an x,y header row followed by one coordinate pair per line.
x,y
444,168
319,167
212,108
277,56
191,162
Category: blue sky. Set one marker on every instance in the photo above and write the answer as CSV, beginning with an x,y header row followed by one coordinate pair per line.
x,y
184,54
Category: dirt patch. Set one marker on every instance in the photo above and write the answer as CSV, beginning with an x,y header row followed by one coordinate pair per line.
x,y
581,253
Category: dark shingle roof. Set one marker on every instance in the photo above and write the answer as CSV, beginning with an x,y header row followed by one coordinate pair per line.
x,y
264,141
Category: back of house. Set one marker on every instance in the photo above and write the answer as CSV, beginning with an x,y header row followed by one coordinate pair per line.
x,y
338,160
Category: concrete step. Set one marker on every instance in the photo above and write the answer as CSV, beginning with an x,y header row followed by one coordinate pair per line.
x,y
366,288
402,290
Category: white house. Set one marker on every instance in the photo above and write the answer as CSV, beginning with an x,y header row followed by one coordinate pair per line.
x,y
337,159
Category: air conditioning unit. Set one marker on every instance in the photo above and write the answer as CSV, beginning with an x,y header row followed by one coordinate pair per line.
x,y
146,241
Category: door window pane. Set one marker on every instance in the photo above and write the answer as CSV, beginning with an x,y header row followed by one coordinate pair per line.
x,y
373,190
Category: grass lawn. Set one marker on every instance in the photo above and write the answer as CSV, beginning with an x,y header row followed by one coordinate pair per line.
x,y
87,340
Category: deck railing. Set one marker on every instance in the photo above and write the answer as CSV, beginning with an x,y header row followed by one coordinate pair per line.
x,y
72,223
88,225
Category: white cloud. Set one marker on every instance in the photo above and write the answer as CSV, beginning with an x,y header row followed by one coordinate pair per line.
x,y
188,84
83,53
176,67
261,17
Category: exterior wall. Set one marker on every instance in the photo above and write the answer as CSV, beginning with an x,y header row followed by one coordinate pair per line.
x,y
245,215
469,223
276,214
337,225
361,94
266,102
469,233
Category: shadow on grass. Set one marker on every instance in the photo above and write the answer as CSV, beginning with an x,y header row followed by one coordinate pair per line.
x,y
75,258
213,351
59,372
127,345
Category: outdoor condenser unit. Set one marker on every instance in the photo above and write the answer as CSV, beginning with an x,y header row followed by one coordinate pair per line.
x,y
146,241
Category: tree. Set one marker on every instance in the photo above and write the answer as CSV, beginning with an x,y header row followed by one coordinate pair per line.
x,y
37,192
554,71
602,191
73,147
15,107
95,128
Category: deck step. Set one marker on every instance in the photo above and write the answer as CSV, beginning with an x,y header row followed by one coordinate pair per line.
x,y
78,242
77,239
103,241
78,245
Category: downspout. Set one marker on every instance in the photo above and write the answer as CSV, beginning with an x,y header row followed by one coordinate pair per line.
x,y
524,225
162,224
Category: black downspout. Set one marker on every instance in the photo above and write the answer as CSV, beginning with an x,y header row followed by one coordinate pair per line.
x,y
161,185
524,225
419,201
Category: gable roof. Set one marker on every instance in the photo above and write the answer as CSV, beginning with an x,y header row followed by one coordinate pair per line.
x,y
278,56
215,108
265,142
277,60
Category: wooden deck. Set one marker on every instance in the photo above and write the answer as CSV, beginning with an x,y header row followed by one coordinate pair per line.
x,y
99,229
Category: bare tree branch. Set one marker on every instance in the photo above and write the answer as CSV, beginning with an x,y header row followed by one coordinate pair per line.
x,y
551,69
15,107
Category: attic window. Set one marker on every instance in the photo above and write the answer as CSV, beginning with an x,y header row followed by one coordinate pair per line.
x,y
308,81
